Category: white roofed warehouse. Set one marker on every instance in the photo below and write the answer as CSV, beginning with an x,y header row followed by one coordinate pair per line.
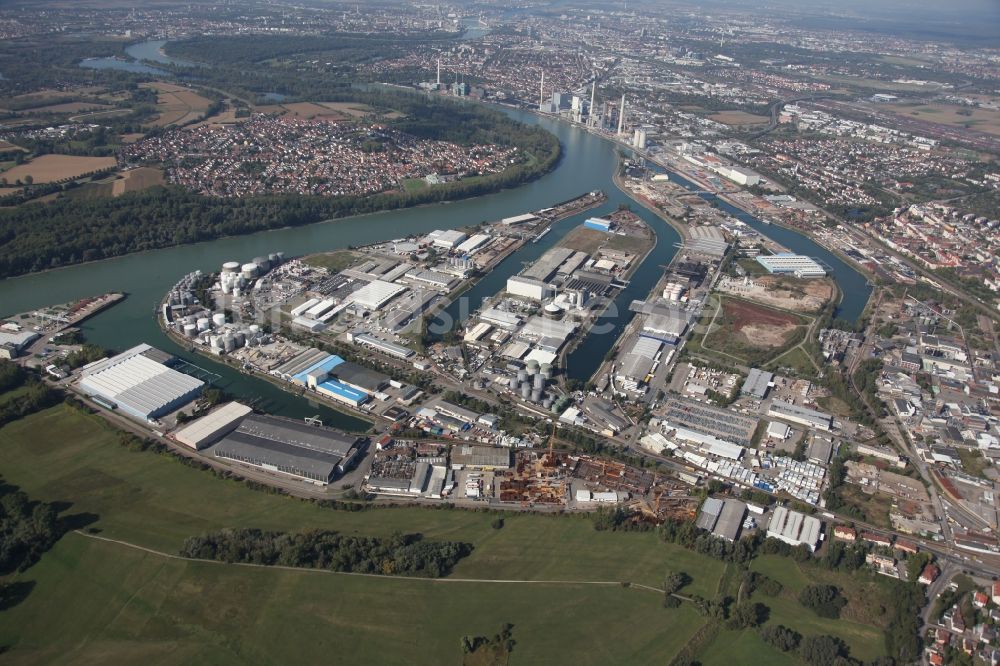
x,y
138,385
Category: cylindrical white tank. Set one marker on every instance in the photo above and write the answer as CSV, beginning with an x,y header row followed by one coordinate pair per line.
x,y
254,329
536,395
219,319
513,383
546,370
526,390
262,264
216,341
204,323
539,382
229,342
190,330
231,267
532,366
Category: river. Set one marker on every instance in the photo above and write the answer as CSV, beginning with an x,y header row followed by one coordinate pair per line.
x,y
587,164
151,51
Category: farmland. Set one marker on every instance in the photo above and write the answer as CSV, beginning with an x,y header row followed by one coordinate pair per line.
x,y
320,110
177,105
137,179
52,168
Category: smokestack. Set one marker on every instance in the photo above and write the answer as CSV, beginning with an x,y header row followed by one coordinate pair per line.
x,y
439,71
541,91
593,94
621,116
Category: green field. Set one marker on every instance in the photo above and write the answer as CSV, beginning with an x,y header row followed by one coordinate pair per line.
x,y
335,261
102,603
861,620
166,608
414,185
736,648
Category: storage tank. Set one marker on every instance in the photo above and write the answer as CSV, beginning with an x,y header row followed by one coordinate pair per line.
x,y
231,267
536,395
539,382
513,383
526,390
254,330
249,271
204,323
547,403
216,341
273,259
240,338
532,366
262,264
522,375
237,292
229,342
219,319
190,330
546,370
281,256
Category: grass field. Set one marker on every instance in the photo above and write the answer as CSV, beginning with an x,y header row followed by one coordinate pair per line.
x,y
736,648
861,620
133,606
49,168
414,185
334,261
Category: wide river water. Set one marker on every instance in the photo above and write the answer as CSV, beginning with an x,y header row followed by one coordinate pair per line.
x,y
587,164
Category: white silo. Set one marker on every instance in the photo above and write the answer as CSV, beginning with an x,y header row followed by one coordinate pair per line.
x,y
204,323
219,319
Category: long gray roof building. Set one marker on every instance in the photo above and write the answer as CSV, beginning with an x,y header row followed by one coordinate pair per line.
x,y
315,453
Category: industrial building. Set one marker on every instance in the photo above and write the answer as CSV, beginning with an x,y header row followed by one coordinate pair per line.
x,y
313,453
794,528
792,264
480,457
376,293
528,288
801,415
139,383
13,343
380,345
447,239
730,520
598,224
206,430
757,383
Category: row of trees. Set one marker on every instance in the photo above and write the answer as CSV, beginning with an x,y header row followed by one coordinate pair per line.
x,y
400,554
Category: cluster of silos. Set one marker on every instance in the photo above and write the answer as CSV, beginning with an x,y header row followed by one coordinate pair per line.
x,y
530,382
230,339
183,292
235,276
673,291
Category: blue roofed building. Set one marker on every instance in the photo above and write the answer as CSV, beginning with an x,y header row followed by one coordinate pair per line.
x,y
598,223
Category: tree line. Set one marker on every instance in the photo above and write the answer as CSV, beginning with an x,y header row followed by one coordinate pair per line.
x,y
400,554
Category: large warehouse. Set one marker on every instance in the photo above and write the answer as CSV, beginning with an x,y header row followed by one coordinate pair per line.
x,y
794,528
794,264
313,453
138,385
207,429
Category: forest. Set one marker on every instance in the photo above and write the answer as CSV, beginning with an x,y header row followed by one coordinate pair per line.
x,y
400,554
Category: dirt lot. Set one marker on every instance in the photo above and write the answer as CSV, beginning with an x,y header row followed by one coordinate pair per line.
x,y
49,168
134,180
738,118
757,326
6,146
790,293
177,105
